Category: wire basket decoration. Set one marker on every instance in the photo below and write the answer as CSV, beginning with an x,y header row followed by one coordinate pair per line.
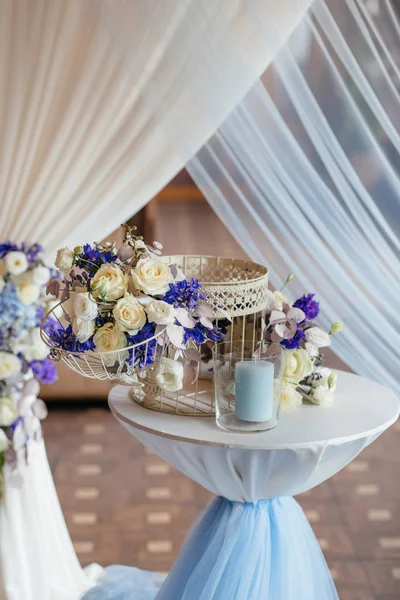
x,y
110,365
234,287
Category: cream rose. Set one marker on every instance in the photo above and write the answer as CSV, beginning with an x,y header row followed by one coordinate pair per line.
x,y
16,263
290,397
129,314
10,365
4,442
40,275
85,308
169,375
108,338
8,412
64,259
82,328
109,283
28,293
317,337
152,277
160,312
298,365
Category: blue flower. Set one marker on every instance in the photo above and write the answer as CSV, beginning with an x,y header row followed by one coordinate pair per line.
x,y
295,341
309,306
185,294
200,334
44,370
67,340
142,356
32,251
91,259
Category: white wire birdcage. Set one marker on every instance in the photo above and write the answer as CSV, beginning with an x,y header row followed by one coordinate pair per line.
x,y
234,287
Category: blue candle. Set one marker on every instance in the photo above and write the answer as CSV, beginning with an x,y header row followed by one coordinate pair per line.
x,y
254,390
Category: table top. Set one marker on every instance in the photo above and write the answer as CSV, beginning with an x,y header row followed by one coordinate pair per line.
x,y
361,408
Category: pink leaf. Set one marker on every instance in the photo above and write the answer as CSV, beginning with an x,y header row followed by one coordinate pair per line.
x,y
192,354
204,309
184,318
175,334
296,314
275,338
190,375
206,322
277,316
158,245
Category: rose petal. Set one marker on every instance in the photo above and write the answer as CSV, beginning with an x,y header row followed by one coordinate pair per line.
x,y
40,409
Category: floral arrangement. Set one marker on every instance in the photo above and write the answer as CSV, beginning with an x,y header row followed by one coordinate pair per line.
x,y
116,298
23,354
292,325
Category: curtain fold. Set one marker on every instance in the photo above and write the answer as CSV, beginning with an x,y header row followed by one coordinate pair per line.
x,y
305,174
93,93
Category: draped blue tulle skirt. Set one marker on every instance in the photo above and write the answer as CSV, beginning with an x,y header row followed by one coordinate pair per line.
x,y
235,551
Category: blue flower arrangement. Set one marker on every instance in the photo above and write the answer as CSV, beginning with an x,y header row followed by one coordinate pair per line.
x,y
23,355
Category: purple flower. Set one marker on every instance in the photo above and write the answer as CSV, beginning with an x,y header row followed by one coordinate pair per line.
x,y
309,306
67,340
143,355
184,294
32,251
295,341
200,334
91,259
44,370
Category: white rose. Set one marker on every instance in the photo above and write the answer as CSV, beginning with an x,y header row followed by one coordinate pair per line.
x,y
323,395
16,262
152,277
40,275
10,365
290,397
85,308
280,299
298,365
31,346
320,377
109,283
82,328
2,283
317,337
108,338
8,412
64,259
160,312
28,293
4,441
129,314
169,375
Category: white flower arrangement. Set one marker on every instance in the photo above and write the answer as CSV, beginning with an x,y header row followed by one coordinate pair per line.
x,y
305,379
126,305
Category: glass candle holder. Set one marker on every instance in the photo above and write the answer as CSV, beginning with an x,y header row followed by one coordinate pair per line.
x,y
248,380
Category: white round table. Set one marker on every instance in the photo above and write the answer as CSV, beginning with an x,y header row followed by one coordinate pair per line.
x,y
253,541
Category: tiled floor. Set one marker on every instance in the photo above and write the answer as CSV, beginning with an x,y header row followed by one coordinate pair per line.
x,y
124,505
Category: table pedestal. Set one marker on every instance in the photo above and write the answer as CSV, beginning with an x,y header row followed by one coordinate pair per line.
x,y
236,551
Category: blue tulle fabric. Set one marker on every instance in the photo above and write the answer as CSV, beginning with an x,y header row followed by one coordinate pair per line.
x,y
236,551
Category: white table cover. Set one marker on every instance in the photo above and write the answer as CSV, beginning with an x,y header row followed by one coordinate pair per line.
x,y
253,541
37,558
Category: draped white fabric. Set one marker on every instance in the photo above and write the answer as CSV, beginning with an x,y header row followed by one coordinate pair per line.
x,y
91,90
37,559
305,174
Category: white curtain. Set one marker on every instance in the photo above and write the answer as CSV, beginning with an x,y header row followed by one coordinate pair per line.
x,y
305,174
91,90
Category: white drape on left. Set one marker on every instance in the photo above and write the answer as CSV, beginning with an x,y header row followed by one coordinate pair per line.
x,y
92,91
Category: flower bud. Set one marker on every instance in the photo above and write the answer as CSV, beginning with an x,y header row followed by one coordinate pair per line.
x,y
78,249
332,380
336,327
